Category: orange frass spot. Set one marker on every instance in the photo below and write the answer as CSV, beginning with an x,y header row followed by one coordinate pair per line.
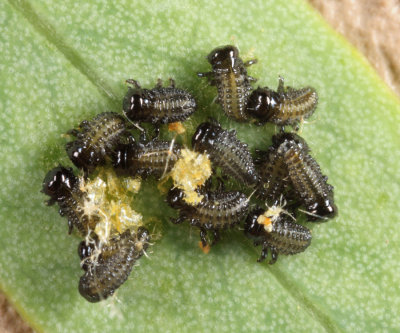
x,y
176,127
205,249
266,221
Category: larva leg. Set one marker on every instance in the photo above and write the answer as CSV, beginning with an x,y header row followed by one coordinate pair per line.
x,y
274,256
133,82
264,253
281,88
73,132
208,75
217,237
251,79
250,62
159,83
171,82
203,237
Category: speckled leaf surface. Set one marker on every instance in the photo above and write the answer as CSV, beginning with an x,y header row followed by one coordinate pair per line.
x,y
62,62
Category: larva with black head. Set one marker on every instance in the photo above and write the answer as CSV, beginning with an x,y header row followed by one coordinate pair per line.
x,y
306,178
277,233
286,106
158,105
62,186
95,140
226,151
216,211
107,270
229,74
154,157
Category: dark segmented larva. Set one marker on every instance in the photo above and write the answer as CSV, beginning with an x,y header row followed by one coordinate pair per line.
x,y
109,270
226,151
62,186
276,233
158,105
96,140
151,158
217,210
229,74
287,106
305,176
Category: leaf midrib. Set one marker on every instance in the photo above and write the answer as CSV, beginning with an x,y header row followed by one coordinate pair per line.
x,y
45,29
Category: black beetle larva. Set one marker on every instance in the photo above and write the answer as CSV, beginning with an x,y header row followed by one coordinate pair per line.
x,y
217,210
304,176
158,105
225,151
62,186
154,157
276,233
95,140
109,269
229,74
286,106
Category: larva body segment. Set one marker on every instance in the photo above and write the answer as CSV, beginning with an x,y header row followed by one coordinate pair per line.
x,y
287,106
229,74
217,210
107,270
62,186
95,140
276,233
158,105
226,151
150,158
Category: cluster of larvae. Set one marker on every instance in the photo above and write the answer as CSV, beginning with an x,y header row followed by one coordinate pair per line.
x,y
115,156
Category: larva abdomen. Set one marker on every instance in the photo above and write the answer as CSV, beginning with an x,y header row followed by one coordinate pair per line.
x,y
226,151
107,271
288,237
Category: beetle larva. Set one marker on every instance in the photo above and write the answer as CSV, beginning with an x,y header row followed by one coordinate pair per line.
x,y
109,269
216,211
62,186
229,74
304,176
149,158
276,232
226,151
96,140
286,106
158,105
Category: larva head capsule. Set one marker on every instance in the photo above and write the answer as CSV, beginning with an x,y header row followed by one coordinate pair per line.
x,y
205,136
175,198
281,138
326,209
224,57
133,102
262,103
58,183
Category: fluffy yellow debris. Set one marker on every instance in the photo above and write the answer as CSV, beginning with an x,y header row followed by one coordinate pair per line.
x,y
107,198
190,172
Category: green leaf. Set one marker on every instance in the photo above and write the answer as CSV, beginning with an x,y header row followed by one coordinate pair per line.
x,y
62,62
